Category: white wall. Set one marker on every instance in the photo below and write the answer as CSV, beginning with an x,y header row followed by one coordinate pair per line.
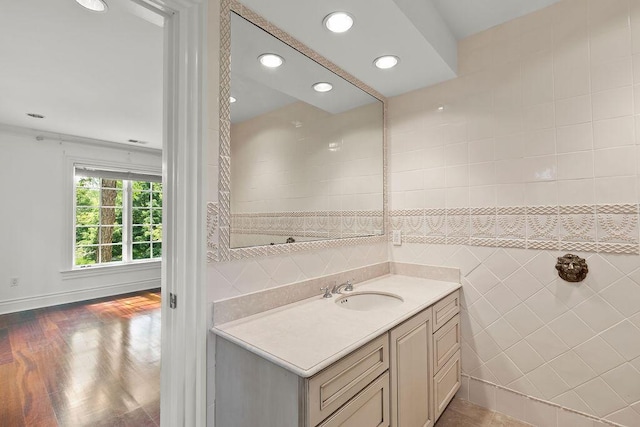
x,y
544,114
34,222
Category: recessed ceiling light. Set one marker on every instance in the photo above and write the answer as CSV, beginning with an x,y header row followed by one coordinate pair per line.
x,y
35,115
441,108
232,99
93,5
322,87
338,22
386,62
271,60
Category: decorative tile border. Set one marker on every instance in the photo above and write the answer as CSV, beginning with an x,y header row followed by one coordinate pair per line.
x,y
219,241
321,224
586,228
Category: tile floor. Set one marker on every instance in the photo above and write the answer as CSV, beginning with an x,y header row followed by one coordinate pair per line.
x,y
461,413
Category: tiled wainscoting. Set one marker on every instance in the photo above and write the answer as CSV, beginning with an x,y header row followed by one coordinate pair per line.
x,y
591,228
576,345
522,407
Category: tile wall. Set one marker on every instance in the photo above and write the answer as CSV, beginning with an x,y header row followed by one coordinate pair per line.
x,y
542,122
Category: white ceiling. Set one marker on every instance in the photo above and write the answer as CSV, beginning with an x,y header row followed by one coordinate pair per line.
x,y
100,75
96,75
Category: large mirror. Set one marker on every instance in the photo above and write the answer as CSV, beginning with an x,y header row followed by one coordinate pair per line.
x,y
305,164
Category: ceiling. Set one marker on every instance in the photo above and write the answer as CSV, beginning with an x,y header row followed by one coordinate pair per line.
x,y
95,75
99,75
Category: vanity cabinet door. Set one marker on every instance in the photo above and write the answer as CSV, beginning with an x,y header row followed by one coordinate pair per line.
x,y
412,372
446,383
369,408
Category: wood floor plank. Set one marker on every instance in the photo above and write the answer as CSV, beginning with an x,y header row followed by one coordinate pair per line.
x,y
11,406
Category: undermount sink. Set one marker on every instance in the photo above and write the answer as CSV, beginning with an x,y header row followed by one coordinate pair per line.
x,y
365,301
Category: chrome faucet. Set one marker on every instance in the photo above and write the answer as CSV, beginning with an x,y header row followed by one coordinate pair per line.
x,y
327,292
347,286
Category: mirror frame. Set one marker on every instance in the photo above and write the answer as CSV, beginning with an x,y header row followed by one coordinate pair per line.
x,y
219,214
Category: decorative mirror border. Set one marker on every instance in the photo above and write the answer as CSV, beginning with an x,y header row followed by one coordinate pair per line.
x,y
219,214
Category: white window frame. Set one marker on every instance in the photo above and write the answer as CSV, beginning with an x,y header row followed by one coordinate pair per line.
x,y
127,219
70,228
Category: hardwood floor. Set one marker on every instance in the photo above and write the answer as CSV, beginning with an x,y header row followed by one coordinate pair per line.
x,y
93,363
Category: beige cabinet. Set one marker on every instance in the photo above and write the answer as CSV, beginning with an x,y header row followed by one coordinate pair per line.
x,y
412,372
370,408
402,378
425,364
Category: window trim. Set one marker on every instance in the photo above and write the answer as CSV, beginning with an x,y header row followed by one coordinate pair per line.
x,y
70,207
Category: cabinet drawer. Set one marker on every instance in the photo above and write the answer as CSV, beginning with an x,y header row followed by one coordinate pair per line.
x,y
335,385
445,309
446,383
446,341
370,408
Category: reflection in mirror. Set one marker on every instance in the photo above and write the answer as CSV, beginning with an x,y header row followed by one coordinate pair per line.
x,y
305,165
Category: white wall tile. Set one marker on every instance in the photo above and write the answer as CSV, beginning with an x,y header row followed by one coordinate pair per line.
x,y
482,394
540,168
457,176
613,103
573,370
610,43
540,414
577,165
525,357
511,404
611,74
615,162
571,67
577,191
616,190
599,355
547,381
539,143
457,154
481,150
483,196
625,338
624,381
573,110
570,329
574,138
613,132
600,397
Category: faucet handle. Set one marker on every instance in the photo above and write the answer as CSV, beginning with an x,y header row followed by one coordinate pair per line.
x,y
327,292
349,286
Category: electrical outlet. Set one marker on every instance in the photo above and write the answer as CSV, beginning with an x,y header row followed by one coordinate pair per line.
x,y
397,237
14,282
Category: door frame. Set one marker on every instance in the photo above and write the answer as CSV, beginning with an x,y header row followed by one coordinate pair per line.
x,y
183,400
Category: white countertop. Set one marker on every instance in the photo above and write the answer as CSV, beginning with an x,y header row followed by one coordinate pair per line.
x,y
307,336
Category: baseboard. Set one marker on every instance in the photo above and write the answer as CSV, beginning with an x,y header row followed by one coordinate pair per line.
x,y
528,409
30,303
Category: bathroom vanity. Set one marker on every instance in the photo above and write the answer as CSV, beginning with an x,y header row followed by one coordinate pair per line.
x,y
392,358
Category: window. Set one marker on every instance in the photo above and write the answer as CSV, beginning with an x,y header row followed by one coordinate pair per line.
x,y
118,217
